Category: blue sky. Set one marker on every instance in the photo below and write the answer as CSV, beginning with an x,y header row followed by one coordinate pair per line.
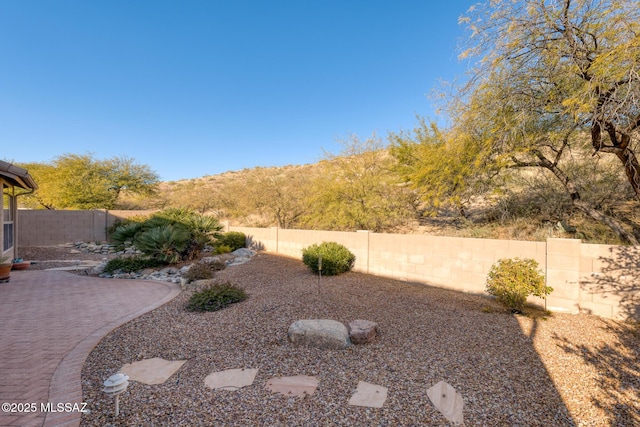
x,y
194,88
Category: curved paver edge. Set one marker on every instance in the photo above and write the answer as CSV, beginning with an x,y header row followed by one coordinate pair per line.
x,y
61,389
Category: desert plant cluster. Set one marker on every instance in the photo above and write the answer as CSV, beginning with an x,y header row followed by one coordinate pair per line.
x,y
168,237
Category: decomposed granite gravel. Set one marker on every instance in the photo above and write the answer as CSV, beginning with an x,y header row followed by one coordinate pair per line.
x,y
511,370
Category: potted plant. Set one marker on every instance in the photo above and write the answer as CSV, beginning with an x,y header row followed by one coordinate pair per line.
x,y
5,268
20,264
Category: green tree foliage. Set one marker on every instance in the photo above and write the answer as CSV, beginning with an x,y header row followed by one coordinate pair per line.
x,y
73,181
359,190
446,169
276,194
550,77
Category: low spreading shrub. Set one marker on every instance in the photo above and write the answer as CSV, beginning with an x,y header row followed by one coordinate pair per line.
x,y
198,271
203,270
131,264
233,239
336,258
216,297
222,249
511,281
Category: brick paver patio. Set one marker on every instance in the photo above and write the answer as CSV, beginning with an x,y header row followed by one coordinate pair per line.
x,y
49,323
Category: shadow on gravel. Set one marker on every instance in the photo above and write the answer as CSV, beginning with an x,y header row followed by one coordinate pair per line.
x,y
616,362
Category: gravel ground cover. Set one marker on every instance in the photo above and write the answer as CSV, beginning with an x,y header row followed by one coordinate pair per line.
x,y
44,257
526,370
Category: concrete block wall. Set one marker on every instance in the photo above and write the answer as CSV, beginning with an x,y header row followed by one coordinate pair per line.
x,y
55,227
49,228
609,281
597,279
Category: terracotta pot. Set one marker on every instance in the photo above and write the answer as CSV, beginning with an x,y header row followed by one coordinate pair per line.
x,y
5,272
22,265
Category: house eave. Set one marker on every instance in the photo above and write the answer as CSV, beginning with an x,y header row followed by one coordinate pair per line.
x,y
17,176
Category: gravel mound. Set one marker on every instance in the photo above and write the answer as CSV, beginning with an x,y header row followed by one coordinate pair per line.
x,y
510,369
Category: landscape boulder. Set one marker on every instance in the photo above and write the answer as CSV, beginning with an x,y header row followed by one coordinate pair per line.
x,y
320,333
362,331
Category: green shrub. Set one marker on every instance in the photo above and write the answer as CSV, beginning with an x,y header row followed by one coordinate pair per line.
x,y
233,239
203,270
131,264
223,249
336,258
165,243
198,271
125,234
215,297
511,281
171,234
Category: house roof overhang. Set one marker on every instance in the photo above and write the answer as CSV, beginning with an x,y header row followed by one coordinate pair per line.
x,y
17,176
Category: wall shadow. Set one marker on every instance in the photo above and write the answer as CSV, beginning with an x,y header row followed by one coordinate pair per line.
x,y
254,244
619,277
616,361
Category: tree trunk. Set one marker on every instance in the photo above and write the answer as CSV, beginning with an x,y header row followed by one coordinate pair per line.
x,y
585,207
620,147
606,220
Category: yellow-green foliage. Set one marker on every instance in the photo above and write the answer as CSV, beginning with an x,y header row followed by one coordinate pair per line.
x,y
512,280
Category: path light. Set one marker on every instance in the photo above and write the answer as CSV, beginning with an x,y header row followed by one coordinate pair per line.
x,y
114,386
319,270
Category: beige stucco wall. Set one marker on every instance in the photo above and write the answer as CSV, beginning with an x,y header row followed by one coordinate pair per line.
x,y
54,227
597,279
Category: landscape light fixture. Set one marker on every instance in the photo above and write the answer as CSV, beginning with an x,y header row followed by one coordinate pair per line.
x,y
114,386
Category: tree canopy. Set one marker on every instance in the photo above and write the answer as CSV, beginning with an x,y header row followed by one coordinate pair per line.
x,y
554,80
79,181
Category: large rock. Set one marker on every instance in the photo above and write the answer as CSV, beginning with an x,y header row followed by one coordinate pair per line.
x,y
321,333
362,331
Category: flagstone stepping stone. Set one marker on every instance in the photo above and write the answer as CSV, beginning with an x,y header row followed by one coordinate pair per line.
x,y
368,394
293,386
151,371
231,379
449,402
320,333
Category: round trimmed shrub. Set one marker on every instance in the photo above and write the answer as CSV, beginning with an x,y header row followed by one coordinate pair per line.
x,y
512,280
336,258
216,297
233,239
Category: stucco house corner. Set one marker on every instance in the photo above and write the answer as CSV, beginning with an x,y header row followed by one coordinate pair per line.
x,y
15,181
